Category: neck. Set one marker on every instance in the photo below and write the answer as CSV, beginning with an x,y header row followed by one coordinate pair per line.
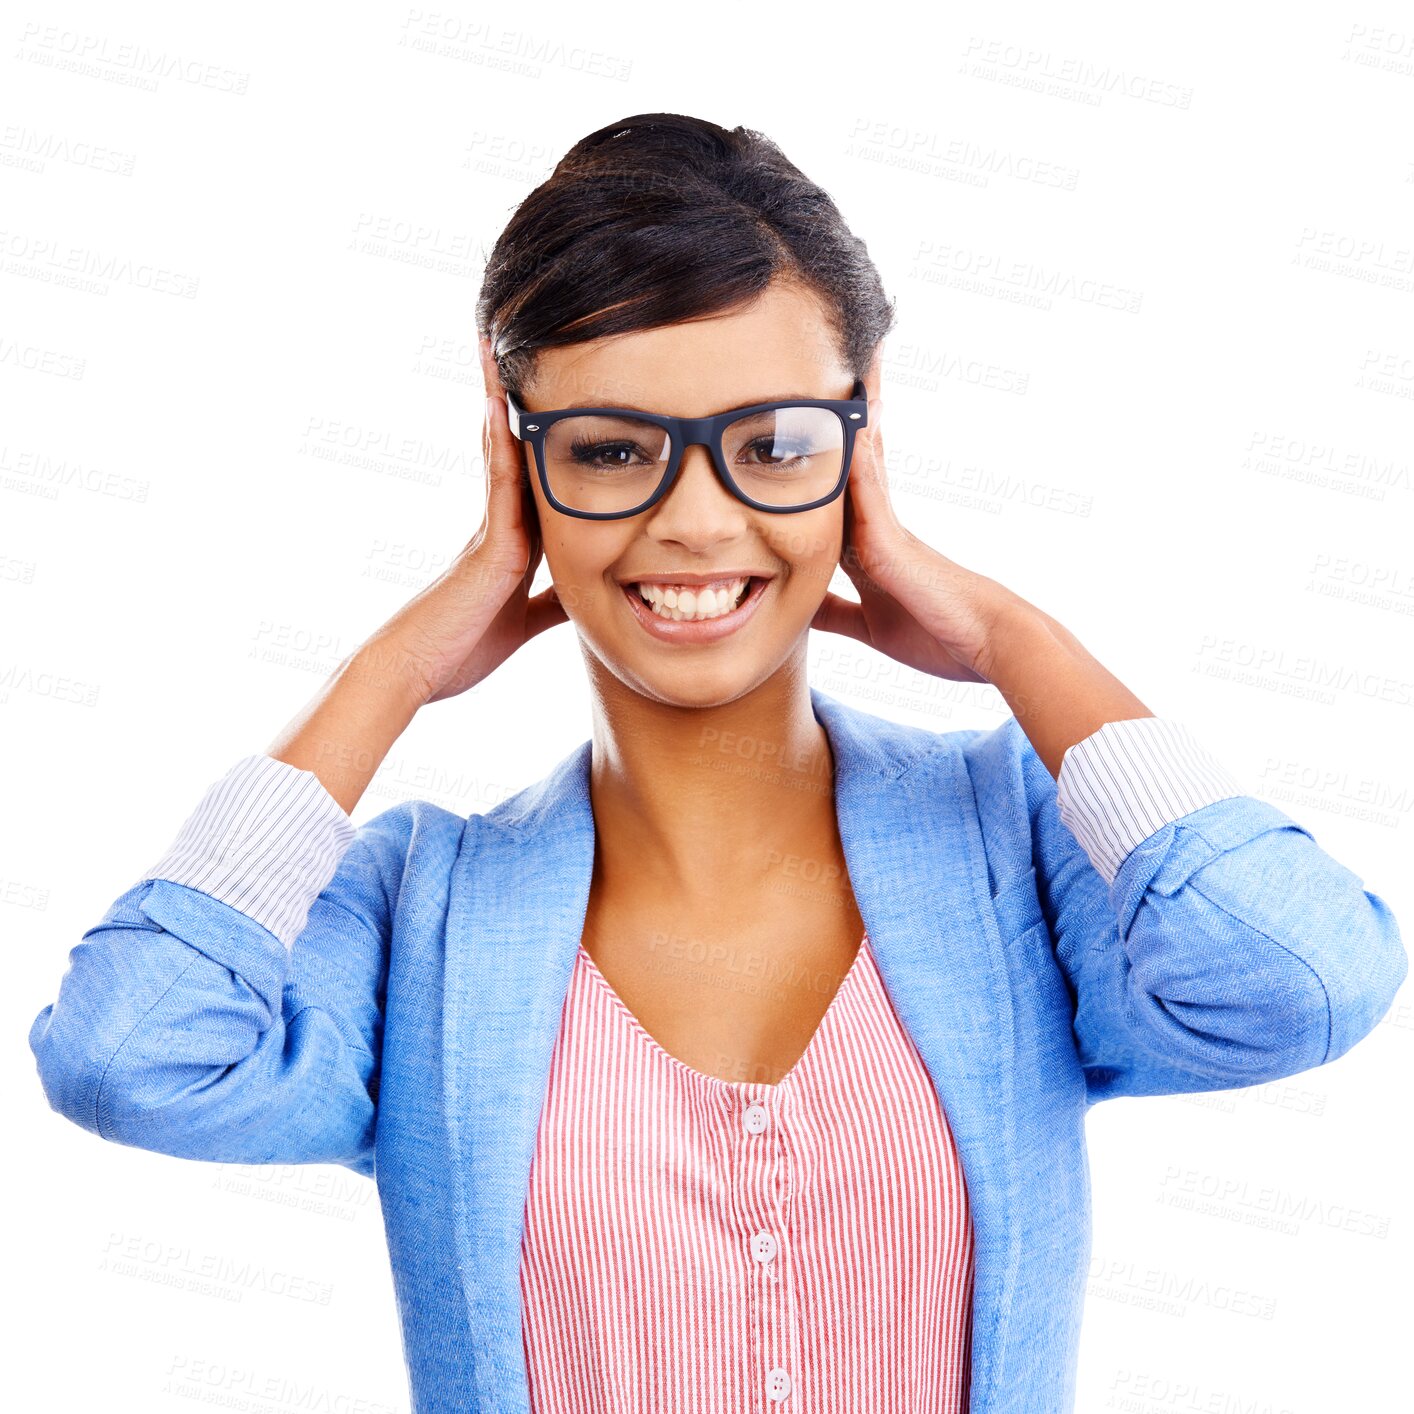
x,y
702,803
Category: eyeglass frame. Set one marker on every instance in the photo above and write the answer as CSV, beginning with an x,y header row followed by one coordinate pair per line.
x,y
685,432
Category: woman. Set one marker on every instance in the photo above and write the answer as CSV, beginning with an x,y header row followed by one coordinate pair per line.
x,y
743,1061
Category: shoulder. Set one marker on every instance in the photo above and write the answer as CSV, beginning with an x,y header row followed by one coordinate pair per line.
x,y
999,761
1002,762
422,834
994,774
399,826
407,847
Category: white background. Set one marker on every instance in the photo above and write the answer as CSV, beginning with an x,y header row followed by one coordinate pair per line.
x,y
1154,369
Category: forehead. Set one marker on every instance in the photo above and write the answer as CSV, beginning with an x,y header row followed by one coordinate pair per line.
x,y
781,344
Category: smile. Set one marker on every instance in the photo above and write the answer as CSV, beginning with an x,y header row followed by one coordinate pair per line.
x,y
695,613
678,602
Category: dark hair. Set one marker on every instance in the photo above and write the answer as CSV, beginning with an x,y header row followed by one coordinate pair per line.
x,y
661,218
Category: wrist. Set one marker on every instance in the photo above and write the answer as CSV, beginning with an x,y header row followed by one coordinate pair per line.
x,y
1058,691
1030,654
392,668
1015,631
343,735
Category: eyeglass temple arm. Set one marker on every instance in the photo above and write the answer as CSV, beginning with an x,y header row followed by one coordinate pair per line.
x,y
513,415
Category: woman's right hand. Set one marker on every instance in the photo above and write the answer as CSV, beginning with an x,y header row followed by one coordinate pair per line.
x,y
469,620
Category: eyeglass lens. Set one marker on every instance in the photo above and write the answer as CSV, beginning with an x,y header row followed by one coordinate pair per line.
x,y
786,456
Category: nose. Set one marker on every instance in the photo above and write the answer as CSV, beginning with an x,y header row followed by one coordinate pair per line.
x,y
697,501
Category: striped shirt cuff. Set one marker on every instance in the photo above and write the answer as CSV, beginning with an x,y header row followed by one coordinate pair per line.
x,y
266,839
1130,779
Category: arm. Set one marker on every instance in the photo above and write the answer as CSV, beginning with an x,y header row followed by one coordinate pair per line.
x,y
185,1025
232,1008
1226,948
229,1005
1207,939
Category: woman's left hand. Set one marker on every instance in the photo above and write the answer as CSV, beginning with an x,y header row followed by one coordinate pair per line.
x,y
915,605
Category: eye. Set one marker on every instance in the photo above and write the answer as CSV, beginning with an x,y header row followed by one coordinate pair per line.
x,y
609,455
777,452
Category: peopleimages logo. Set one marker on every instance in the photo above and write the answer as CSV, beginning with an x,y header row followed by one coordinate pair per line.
x,y
1065,76
101,57
33,151
1021,281
54,261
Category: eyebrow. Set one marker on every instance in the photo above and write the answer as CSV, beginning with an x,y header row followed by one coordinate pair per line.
x,y
634,407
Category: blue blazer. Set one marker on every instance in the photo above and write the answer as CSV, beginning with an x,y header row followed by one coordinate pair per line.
x,y
408,1033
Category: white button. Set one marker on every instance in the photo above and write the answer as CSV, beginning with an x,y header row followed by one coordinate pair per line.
x,y
763,1246
755,1118
777,1384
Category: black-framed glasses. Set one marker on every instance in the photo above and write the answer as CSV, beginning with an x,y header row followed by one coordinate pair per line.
x,y
604,463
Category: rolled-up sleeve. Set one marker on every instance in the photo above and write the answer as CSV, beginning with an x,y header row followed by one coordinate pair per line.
x,y
1208,940
265,839
229,1005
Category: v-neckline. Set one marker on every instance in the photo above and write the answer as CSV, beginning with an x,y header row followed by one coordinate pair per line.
x,y
755,1088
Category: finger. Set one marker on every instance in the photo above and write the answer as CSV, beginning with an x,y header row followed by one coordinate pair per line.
x,y
530,519
505,458
543,611
868,478
504,463
849,549
850,557
837,614
506,487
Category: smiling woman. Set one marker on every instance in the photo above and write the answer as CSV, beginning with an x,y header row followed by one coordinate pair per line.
x,y
742,1061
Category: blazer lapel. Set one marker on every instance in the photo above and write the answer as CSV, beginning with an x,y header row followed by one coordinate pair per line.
x,y
520,890
912,839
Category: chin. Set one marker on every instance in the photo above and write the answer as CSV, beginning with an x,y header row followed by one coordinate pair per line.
x,y
693,687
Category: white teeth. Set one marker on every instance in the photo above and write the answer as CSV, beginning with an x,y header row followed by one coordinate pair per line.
x,y
678,602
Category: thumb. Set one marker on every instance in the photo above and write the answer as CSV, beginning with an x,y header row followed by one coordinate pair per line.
x,y
542,611
837,614
502,451
510,506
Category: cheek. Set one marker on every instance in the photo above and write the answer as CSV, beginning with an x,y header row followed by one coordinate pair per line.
x,y
581,563
562,548
810,545
575,585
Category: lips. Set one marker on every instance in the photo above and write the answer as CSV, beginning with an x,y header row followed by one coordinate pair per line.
x,y
696,581
695,630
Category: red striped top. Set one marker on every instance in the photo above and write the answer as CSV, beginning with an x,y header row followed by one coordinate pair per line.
x,y
694,1244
